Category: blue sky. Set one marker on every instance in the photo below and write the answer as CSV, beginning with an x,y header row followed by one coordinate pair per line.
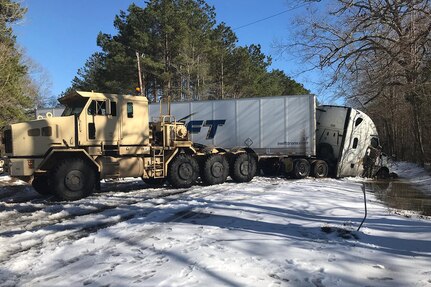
x,y
60,35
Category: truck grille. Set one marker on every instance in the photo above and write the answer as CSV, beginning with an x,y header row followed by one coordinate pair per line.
x,y
7,141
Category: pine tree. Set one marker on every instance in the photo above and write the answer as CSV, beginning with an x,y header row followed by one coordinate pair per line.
x,y
183,55
16,92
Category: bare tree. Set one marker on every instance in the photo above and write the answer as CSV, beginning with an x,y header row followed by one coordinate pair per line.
x,y
373,45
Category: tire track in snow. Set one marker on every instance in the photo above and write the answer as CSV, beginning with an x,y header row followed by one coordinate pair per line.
x,y
77,226
58,213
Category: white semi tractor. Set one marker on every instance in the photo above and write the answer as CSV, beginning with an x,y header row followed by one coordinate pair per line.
x,y
290,134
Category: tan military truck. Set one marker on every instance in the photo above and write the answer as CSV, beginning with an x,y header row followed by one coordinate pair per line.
x,y
101,136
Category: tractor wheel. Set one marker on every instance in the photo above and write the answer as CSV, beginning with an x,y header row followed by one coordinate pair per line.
x,y
154,182
41,185
243,168
73,179
319,169
215,169
183,171
301,168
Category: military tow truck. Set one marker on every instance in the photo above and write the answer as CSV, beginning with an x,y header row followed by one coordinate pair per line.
x,y
103,136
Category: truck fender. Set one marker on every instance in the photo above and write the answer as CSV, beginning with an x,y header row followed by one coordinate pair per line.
x,y
54,156
237,150
233,152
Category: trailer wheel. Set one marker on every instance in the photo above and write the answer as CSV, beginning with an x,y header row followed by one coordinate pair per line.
x,y
154,182
73,179
215,169
301,168
41,185
319,169
243,168
183,171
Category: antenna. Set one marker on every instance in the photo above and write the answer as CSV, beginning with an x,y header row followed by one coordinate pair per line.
x,y
140,74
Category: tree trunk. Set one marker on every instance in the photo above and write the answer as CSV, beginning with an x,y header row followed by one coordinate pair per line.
x,y
417,129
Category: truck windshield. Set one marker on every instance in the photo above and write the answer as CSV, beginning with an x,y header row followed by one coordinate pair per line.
x,y
74,108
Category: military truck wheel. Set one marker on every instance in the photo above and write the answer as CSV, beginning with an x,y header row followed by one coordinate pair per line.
x,y
319,169
154,182
215,169
301,168
73,179
41,185
243,168
183,171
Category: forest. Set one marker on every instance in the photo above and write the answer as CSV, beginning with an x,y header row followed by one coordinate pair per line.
x,y
378,57
374,54
183,54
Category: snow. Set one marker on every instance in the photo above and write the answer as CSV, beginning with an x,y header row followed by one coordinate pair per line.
x,y
269,232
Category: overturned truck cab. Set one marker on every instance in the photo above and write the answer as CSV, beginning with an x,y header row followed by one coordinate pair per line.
x,y
348,141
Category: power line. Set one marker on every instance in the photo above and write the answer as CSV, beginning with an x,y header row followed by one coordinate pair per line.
x,y
269,17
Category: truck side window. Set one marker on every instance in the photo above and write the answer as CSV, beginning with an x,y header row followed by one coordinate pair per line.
x,y
113,109
92,108
97,108
33,132
355,143
130,110
47,131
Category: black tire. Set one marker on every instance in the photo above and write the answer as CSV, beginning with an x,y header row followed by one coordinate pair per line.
x,y
383,173
301,168
41,185
319,169
73,179
183,171
154,182
243,168
215,169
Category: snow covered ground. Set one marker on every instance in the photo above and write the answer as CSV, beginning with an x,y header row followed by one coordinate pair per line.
x,y
269,232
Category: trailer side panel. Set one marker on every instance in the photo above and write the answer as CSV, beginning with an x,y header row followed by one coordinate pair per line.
x,y
271,126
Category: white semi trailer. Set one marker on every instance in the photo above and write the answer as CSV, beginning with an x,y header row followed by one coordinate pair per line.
x,y
289,134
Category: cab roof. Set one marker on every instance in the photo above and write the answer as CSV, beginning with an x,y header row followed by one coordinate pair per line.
x,y
76,95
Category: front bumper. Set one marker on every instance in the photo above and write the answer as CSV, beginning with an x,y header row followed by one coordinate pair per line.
x,y
19,167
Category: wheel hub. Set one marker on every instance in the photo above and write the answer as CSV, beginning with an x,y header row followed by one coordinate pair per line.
x,y
244,168
217,169
185,171
302,168
74,180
